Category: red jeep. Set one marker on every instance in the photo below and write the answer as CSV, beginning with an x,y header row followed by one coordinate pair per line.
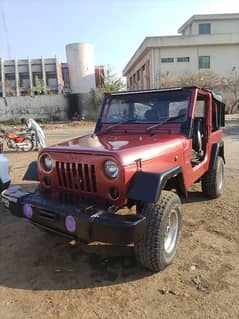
x,y
123,183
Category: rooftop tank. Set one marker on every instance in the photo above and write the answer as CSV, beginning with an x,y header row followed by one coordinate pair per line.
x,y
80,59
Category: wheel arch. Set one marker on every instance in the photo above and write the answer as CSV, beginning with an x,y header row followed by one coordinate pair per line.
x,y
147,186
31,173
217,150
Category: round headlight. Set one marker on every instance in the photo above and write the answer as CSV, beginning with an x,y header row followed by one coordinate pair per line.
x,y
47,163
111,169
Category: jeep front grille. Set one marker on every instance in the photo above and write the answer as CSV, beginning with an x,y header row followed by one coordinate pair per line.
x,y
75,176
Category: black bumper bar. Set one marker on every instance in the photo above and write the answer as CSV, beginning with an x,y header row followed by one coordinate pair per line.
x,y
92,222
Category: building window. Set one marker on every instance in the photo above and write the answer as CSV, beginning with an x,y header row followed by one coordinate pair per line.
x,y
24,80
138,75
183,59
51,80
131,81
167,60
204,28
204,62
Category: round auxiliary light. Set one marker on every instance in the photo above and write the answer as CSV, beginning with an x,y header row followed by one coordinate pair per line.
x,y
47,163
27,210
70,223
111,169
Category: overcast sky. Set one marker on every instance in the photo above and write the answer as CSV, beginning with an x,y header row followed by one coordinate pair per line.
x,y
115,28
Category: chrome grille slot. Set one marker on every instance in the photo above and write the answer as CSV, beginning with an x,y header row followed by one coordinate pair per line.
x,y
63,174
76,176
87,179
81,179
93,176
68,173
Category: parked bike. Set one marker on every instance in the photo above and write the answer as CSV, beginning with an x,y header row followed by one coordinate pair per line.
x,y
18,141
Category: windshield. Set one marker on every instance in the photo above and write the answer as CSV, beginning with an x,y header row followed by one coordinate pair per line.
x,y
153,107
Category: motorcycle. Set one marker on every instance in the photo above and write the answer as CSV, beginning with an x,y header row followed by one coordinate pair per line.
x,y
18,141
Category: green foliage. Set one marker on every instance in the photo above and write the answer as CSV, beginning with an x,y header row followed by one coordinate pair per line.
x,y
96,97
40,88
11,122
112,83
30,92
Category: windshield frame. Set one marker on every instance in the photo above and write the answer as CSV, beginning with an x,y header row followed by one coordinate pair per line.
x,y
150,98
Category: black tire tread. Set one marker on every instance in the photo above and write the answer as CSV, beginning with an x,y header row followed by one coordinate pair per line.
x,y
209,182
146,250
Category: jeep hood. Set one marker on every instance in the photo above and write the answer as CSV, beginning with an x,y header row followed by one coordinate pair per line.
x,y
126,149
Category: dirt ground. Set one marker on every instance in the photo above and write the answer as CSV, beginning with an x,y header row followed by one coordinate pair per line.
x,y
42,276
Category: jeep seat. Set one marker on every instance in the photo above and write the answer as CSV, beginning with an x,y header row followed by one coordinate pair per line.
x,y
151,115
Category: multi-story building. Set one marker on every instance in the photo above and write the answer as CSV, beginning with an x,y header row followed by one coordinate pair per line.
x,y
207,42
30,76
49,75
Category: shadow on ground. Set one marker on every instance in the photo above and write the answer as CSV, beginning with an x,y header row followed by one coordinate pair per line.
x,y
34,259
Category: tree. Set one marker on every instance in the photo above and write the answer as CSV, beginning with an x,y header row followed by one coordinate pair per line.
x,y
9,91
96,98
40,88
231,84
204,79
111,82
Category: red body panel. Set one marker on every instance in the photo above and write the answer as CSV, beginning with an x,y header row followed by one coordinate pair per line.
x,y
157,153
78,163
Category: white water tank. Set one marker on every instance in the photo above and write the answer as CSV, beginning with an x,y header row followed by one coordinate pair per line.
x,y
80,59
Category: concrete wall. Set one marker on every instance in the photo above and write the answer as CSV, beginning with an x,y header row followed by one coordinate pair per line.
x,y
38,107
54,108
84,105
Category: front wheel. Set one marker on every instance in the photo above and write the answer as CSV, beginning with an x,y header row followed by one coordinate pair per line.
x,y
157,249
212,181
10,143
28,145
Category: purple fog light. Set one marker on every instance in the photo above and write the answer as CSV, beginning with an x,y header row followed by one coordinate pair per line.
x,y
27,210
70,223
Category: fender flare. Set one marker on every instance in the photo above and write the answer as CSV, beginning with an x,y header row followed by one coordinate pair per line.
x,y
217,150
31,173
147,186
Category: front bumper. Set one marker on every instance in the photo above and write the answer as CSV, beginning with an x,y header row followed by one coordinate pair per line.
x,y
93,222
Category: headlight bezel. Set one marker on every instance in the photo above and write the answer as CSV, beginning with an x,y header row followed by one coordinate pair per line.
x,y
107,166
46,166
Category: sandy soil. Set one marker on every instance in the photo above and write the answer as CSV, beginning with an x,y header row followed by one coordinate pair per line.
x,y
42,276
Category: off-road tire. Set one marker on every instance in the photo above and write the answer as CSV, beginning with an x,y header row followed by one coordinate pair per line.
x,y
151,251
212,181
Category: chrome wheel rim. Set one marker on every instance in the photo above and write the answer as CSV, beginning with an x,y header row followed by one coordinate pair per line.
x,y
171,231
27,146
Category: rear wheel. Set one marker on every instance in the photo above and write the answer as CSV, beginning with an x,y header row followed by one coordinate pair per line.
x,y
28,145
212,181
157,249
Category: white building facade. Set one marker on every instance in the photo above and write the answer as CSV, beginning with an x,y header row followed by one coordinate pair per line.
x,y
207,43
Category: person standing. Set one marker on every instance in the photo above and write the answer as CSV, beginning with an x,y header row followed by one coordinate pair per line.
x,y
32,125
